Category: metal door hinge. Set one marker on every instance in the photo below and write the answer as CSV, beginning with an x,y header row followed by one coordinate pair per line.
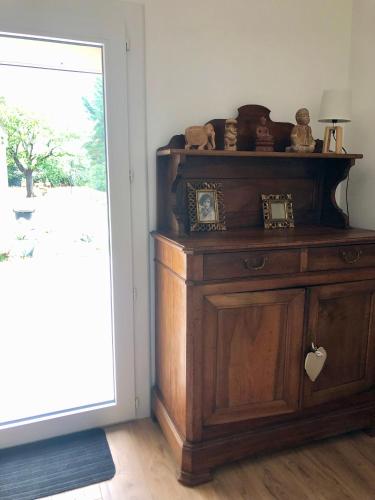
x,y
137,403
127,46
131,176
134,294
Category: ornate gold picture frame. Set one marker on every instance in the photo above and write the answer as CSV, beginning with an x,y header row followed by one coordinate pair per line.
x,y
277,211
206,206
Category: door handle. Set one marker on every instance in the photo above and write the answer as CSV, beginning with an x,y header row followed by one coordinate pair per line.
x,y
254,266
352,256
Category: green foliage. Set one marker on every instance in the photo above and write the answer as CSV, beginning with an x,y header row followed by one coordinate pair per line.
x,y
33,148
4,257
53,173
78,172
95,147
14,175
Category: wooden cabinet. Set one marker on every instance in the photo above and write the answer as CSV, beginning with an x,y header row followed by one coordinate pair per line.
x,y
238,310
230,378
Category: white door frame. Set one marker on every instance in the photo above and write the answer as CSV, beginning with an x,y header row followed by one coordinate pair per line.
x,y
99,21
135,29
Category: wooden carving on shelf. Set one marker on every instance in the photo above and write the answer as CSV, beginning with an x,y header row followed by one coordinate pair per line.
x,y
264,140
201,137
230,135
301,137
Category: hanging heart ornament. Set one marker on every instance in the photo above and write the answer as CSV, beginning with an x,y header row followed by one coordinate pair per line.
x,y
314,362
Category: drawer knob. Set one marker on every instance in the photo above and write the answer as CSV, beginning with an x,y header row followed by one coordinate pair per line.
x,y
352,256
255,265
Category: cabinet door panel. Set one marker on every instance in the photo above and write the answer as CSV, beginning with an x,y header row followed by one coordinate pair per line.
x,y
252,354
341,319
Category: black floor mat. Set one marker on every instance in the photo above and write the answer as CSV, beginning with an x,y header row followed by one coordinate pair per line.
x,y
49,467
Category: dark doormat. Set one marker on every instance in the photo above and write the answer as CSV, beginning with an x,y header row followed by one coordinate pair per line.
x,y
49,467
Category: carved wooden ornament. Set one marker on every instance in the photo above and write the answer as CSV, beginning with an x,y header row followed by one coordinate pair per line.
x,y
230,135
200,136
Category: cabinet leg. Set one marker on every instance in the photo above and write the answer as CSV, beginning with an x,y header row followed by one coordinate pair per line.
x,y
194,478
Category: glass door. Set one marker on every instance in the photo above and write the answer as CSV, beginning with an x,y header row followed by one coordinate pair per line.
x,y
65,247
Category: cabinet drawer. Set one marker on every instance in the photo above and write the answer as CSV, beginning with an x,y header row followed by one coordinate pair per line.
x,y
242,264
340,257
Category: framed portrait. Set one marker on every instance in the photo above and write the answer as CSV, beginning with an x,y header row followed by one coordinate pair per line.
x,y
277,211
206,206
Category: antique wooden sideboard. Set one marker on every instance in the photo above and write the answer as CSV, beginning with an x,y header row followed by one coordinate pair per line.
x,y
237,311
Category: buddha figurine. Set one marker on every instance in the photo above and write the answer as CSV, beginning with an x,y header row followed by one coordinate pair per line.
x,y
264,140
301,137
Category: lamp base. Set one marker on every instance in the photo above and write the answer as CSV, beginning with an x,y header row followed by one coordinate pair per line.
x,y
337,133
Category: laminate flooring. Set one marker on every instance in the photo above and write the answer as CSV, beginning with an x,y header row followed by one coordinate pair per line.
x,y
341,468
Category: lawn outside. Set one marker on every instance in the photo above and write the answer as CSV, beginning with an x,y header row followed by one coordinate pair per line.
x,y
56,298
66,221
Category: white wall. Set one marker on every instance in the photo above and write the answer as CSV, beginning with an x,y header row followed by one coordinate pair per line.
x,y
205,58
360,133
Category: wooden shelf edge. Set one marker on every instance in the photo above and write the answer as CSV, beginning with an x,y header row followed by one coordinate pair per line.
x,y
256,154
253,239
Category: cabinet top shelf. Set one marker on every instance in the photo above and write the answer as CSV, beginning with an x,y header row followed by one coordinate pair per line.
x,y
256,154
259,238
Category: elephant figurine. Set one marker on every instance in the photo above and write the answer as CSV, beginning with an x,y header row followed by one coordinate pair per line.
x,y
201,136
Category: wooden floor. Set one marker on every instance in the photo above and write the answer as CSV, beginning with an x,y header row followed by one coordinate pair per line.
x,y
336,469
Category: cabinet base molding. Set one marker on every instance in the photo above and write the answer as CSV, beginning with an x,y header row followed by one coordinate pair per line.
x,y
196,461
370,432
194,478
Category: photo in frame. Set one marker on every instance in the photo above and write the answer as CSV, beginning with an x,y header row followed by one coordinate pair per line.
x,y
277,211
206,206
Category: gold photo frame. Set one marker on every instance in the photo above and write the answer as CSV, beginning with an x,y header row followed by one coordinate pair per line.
x,y
206,206
277,211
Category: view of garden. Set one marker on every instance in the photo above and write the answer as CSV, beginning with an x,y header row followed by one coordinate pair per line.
x,y
55,285
45,173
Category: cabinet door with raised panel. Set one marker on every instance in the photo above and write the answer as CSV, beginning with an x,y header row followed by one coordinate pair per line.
x,y
252,350
341,319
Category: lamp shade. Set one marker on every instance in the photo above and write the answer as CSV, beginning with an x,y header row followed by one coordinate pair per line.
x,y
335,106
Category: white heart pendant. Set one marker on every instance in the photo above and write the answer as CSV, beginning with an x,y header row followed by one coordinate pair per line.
x,y
314,363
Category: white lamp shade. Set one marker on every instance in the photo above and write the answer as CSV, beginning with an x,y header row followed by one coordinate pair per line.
x,y
336,106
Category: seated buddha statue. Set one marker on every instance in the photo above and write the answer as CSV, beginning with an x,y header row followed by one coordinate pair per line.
x,y
301,137
264,140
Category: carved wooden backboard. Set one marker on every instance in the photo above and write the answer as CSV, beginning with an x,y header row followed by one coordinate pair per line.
x,y
247,120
